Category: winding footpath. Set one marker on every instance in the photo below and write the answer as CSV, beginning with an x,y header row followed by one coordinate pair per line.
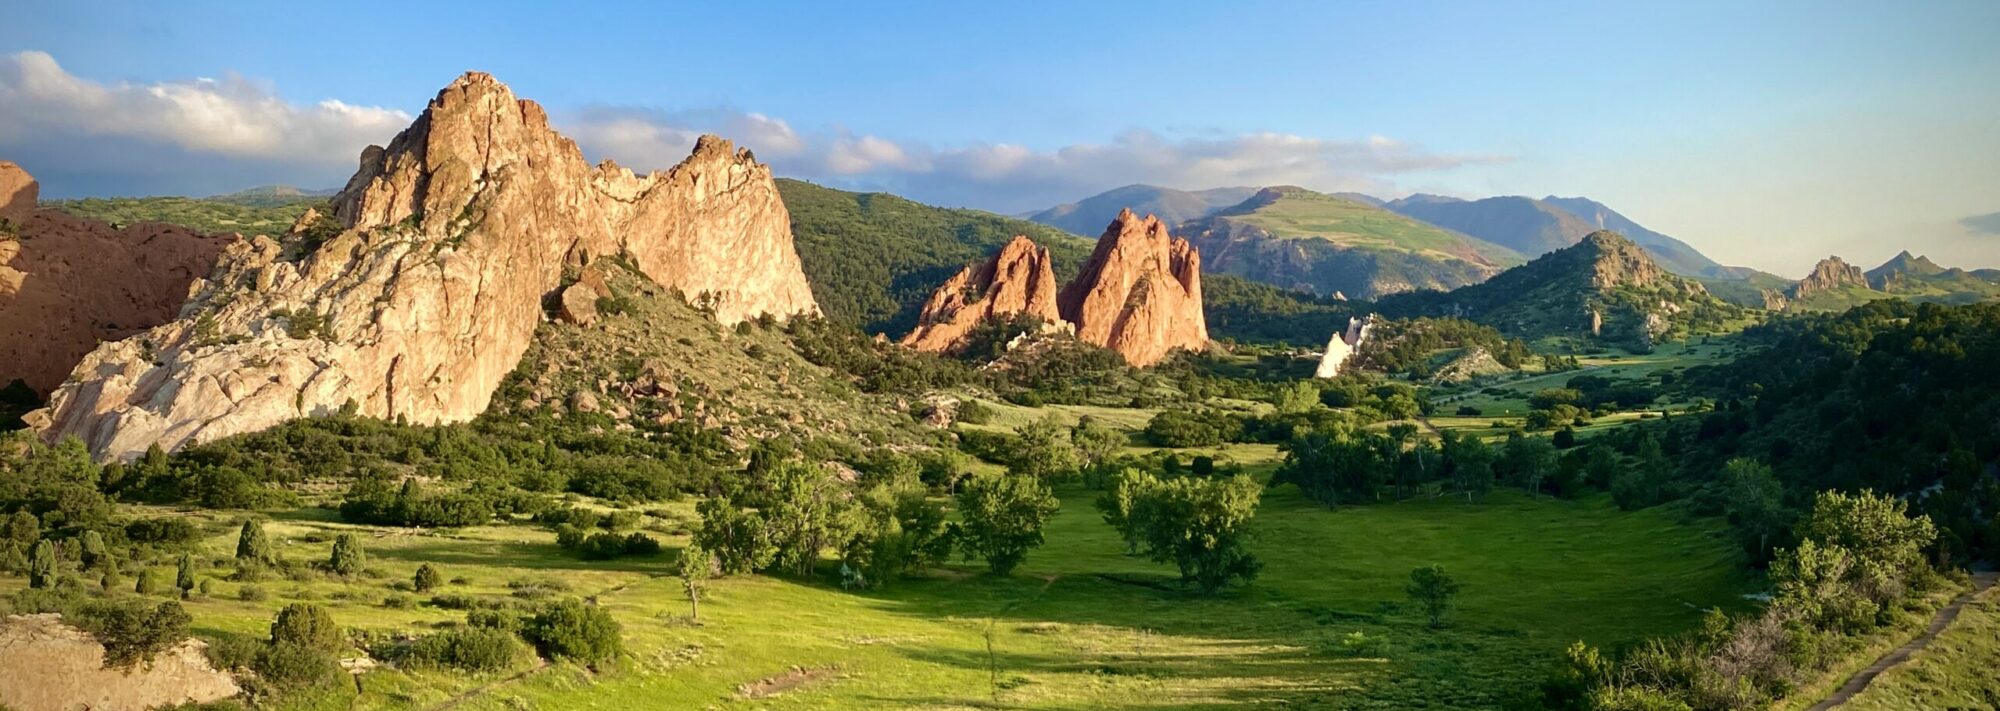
x,y
1943,619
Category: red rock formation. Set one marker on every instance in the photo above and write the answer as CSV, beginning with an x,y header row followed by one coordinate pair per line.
x,y
1019,279
1140,293
68,283
453,236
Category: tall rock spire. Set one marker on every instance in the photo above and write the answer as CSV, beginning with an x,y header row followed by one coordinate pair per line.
x,y
427,290
1019,280
1140,293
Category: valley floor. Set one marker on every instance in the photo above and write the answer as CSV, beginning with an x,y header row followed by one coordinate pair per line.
x,y
1080,625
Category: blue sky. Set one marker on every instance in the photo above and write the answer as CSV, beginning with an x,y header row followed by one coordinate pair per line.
x,y
1766,135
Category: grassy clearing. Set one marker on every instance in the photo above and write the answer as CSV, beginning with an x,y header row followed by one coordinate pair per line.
x,y
1079,626
1955,671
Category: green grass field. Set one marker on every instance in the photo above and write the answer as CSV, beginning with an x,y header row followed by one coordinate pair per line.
x,y
1080,625
1303,214
1955,671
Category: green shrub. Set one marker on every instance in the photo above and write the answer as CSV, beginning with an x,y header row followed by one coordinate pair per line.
x,y
427,578
132,631
294,666
572,630
306,625
478,649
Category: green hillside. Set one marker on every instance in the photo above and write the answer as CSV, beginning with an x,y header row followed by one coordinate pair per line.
x,y
1302,240
1605,278
201,214
873,258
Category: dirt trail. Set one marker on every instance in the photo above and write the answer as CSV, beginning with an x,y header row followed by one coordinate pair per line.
x,y
1943,619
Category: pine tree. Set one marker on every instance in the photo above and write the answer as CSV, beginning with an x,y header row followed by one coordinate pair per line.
x,y
42,569
147,584
184,577
94,552
347,559
251,544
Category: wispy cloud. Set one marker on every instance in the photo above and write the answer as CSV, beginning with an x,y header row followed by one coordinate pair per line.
x,y
1011,177
1987,224
203,135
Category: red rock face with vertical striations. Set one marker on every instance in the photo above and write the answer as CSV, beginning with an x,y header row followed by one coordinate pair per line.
x,y
1020,279
1140,293
451,238
68,283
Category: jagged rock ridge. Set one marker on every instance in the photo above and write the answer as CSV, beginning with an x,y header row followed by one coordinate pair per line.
x,y
69,283
1829,274
427,290
1140,293
1019,280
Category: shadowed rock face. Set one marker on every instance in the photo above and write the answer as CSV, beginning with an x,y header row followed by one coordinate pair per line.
x,y
68,283
453,235
1020,279
1140,293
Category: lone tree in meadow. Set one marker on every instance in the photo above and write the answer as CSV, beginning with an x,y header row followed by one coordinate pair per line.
x,y
427,579
695,567
1433,589
184,576
1003,517
251,544
347,559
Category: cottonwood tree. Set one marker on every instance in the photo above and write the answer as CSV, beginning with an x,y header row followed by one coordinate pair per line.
x,y
1754,501
695,567
1044,449
736,538
1200,525
1003,515
1120,505
1432,589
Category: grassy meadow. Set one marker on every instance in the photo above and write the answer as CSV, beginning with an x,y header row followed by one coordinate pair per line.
x,y
1080,625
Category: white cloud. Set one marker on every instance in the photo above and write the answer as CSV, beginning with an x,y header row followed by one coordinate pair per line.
x,y
1011,177
185,137
230,117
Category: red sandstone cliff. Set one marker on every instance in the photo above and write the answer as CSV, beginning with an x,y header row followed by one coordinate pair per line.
x,y
1020,279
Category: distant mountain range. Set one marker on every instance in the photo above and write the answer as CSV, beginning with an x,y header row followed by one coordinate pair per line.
x,y
1835,285
1520,227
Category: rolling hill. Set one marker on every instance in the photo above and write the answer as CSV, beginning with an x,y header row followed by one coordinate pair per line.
x,y
1299,239
1605,288
1535,227
1089,216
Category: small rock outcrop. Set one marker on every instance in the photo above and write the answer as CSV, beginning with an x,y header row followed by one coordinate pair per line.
x,y
69,283
1343,345
452,240
47,665
1019,280
1829,274
1140,293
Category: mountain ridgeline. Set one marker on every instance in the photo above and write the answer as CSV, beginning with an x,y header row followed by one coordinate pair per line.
x,y
1604,288
1325,244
